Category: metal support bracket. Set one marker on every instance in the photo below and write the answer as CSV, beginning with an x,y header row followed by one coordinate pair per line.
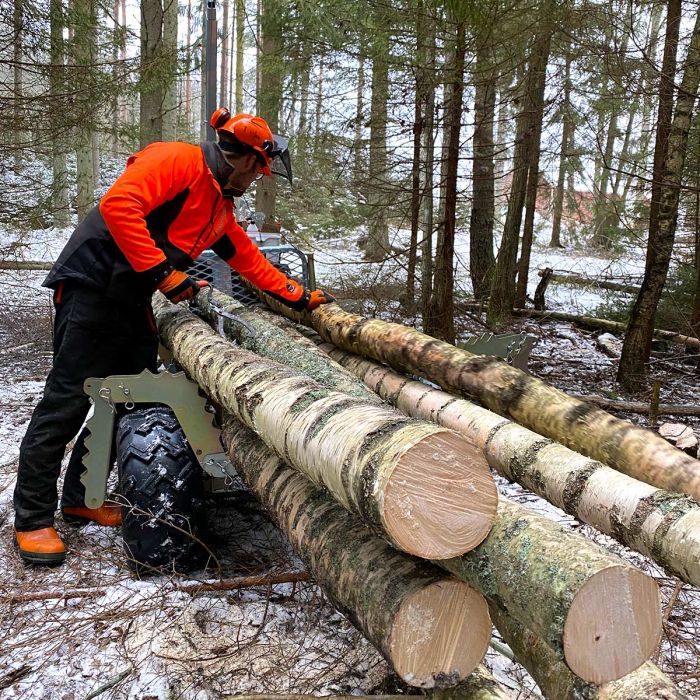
x,y
514,348
171,389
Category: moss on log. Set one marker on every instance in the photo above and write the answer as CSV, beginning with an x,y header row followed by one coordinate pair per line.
x,y
557,682
598,613
661,525
277,339
426,489
510,392
433,629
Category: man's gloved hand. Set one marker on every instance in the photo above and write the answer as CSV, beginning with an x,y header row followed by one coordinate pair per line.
x,y
179,286
316,298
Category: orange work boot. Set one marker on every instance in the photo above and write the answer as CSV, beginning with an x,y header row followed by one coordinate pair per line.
x,y
40,546
109,516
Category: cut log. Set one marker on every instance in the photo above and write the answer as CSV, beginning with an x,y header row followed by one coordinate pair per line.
x,y
513,393
433,629
426,489
661,525
589,282
557,682
273,341
601,615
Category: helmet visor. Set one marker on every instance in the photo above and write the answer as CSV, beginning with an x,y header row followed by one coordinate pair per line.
x,y
281,163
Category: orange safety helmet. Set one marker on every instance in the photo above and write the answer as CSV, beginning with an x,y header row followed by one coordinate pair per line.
x,y
256,134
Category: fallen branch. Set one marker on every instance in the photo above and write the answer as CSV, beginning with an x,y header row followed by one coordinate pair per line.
x,y
578,280
664,409
230,584
25,265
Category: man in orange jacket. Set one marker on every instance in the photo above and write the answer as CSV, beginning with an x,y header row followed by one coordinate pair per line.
x,y
173,201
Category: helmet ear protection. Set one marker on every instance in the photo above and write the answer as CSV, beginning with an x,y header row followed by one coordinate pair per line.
x,y
219,118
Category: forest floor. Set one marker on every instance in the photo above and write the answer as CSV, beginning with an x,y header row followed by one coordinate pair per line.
x,y
147,640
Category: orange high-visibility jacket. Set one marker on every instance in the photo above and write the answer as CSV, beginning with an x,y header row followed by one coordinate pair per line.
x,y
161,213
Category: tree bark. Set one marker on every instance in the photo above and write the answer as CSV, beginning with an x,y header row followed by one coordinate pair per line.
x,y
441,321
637,346
170,97
378,246
426,489
510,392
359,165
18,83
225,57
503,287
661,525
84,59
151,90
434,630
564,155
60,204
240,48
598,613
481,257
429,166
556,680
533,158
271,71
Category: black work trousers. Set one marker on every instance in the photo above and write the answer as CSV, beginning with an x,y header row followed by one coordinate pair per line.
x,y
94,336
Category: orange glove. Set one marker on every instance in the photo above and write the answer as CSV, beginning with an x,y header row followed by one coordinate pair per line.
x,y
179,286
316,298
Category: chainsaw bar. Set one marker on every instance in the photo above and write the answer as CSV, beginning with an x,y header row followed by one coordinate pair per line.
x,y
514,348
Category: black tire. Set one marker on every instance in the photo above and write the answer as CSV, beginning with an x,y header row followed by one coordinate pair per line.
x,y
160,482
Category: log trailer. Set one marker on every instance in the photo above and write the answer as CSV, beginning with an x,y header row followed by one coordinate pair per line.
x,y
165,437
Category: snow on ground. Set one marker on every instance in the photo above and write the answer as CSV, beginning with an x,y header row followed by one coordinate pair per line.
x,y
148,640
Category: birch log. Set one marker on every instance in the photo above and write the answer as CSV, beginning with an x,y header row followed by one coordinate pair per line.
x,y
432,628
510,392
277,339
426,489
558,683
661,525
598,613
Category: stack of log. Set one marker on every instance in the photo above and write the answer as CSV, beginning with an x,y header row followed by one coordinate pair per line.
x,y
368,493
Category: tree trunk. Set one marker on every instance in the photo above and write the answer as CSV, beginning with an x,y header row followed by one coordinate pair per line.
x,y
170,98
598,613
557,681
378,247
510,392
18,83
409,301
564,155
188,69
481,257
84,60
601,238
425,489
441,321
503,287
225,58
151,91
240,49
359,175
271,70
637,345
401,604
428,165
60,204
533,158
661,525
277,339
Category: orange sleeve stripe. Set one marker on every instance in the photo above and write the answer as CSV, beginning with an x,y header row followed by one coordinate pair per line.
x,y
256,268
152,177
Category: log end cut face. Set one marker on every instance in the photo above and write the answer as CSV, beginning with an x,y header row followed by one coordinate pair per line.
x,y
440,634
613,625
441,499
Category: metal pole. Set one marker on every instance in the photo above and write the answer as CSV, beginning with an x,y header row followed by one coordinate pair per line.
x,y
211,66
